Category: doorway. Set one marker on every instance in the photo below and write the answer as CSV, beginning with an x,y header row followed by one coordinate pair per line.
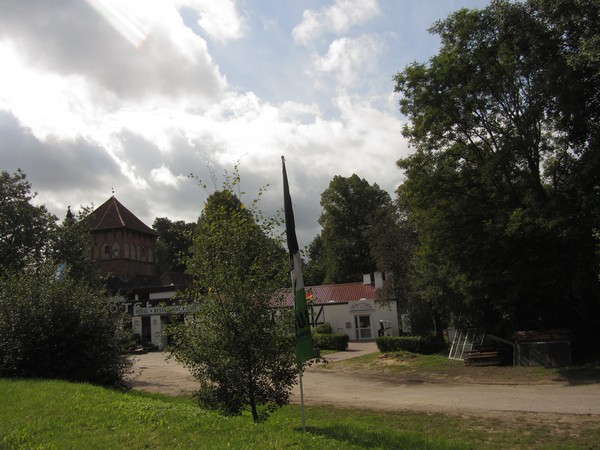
x,y
363,327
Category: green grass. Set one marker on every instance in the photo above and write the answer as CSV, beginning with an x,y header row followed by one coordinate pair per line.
x,y
38,414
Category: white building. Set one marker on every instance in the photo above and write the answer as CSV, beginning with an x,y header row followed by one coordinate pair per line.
x,y
351,308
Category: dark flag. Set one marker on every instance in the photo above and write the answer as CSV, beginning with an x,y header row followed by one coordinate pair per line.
x,y
304,344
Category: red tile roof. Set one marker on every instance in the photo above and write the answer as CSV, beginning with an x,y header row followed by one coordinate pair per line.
x,y
336,293
112,214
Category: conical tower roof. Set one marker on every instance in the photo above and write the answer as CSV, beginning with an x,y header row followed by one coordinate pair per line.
x,y
113,215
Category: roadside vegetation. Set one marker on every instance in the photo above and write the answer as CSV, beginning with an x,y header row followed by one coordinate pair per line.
x,y
61,415
437,367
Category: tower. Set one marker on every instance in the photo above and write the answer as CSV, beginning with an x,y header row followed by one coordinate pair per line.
x,y
122,244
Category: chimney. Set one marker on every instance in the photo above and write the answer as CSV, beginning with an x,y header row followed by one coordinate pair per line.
x,y
378,280
367,279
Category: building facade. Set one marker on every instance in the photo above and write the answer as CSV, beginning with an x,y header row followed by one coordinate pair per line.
x,y
352,308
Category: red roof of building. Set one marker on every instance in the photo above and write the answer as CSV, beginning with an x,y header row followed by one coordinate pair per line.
x,y
112,214
336,293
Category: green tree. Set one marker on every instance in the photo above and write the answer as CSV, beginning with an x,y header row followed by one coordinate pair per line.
x,y
25,229
71,247
314,271
503,186
173,243
239,347
349,204
53,326
392,241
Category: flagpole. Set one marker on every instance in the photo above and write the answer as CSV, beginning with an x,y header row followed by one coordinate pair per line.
x,y
301,398
304,344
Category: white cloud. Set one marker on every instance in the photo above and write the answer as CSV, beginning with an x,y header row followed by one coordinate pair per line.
x,y
122,18
49,104
337,18
219,19
163,175
347,59
89,111
68,39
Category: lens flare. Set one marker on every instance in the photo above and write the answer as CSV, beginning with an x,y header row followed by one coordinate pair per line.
x,y
121,19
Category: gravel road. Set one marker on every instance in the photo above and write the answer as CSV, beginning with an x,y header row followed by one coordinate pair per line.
x,y
155,374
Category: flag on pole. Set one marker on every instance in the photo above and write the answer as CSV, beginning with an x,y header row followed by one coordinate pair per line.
x,y
304,344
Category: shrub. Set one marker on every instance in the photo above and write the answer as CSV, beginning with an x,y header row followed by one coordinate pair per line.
x,y
324,328
331,341
60,328
432,344
399,343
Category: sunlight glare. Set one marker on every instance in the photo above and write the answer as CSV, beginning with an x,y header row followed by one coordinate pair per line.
x,y
121,19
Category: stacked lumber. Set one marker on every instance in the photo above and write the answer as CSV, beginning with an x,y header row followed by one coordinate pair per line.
x,y
483,357
541,336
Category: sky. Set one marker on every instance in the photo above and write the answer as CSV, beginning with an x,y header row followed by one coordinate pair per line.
x,y
132,97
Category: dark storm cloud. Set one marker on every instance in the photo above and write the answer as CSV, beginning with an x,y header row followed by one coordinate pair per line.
x,y
60,166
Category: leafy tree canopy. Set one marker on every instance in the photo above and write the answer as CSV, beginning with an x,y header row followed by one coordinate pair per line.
x,y
504,185
58,327
172,246
238,347
71,247
314,271
348,206
25,229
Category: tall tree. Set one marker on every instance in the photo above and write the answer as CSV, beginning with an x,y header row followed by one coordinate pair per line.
x,y
348,207
503,186
25,229
239,349
72,247
172,246
314,272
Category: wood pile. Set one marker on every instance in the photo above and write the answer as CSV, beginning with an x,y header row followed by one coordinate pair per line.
x,y
483,357
541,336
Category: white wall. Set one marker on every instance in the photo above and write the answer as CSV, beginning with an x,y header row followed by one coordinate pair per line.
x,y
339,315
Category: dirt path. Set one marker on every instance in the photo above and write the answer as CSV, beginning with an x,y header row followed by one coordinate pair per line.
x,y
384,393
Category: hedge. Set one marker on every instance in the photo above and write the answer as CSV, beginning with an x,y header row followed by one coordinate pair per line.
x,y
400,343
323,328
331,341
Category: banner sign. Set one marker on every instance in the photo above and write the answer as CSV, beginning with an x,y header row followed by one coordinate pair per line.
x,y
163,310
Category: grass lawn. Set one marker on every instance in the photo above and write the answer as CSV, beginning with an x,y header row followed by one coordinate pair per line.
x,y
59,415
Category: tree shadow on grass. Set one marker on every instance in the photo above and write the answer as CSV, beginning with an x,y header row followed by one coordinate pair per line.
x,y
372,439
583,374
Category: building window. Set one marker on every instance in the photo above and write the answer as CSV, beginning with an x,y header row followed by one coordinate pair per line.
x,y
143,254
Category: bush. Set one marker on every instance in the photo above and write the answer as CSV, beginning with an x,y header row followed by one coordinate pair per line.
x,y
433,344
324,328
60,328
399,343
337,342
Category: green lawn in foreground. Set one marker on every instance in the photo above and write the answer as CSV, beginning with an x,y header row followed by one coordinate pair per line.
x,y
54,414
